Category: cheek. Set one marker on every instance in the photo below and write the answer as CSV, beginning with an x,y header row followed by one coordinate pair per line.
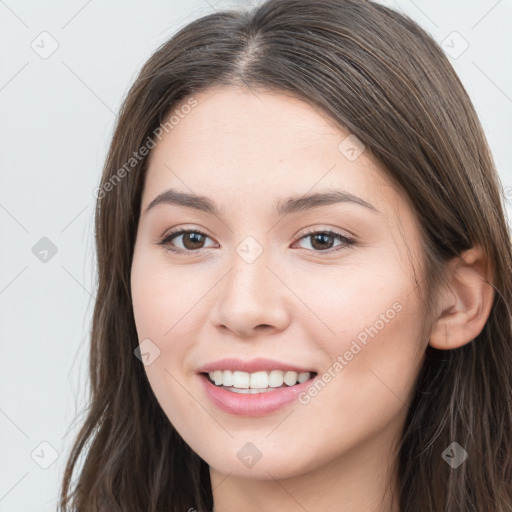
x,y
165,305
160,296
371,320
160,308
153,307
364,300
366,385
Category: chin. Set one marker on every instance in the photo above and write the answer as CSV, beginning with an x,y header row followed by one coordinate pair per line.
x,y
277,465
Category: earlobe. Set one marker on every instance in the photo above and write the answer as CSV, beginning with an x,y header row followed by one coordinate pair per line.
x,y
465,302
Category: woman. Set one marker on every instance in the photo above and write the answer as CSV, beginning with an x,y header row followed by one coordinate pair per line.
x,y
304,277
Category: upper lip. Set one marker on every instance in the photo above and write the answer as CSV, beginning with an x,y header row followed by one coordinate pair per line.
x,y
251,366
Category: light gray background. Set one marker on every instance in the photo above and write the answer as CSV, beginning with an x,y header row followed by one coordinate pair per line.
x,y
57,116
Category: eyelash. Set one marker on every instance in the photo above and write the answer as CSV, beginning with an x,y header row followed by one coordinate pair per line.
x,y
347,242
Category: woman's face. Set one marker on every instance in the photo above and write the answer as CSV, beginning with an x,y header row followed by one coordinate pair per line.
x,y
279,282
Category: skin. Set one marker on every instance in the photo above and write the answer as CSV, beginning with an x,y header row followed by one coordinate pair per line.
x,y
245,151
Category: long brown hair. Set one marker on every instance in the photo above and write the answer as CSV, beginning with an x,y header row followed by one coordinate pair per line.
x,y
379,75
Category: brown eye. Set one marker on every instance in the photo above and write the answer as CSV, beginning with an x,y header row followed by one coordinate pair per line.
x,y
191,240
323,241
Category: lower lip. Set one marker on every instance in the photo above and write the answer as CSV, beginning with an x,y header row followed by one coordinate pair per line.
x,y
258,404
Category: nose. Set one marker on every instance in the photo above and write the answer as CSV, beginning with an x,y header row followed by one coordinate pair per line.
x,y
252,300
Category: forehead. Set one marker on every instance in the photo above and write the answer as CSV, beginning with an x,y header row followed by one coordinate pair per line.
x,y
265,141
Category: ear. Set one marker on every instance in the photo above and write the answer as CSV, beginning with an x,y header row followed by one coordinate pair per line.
x,y
465,302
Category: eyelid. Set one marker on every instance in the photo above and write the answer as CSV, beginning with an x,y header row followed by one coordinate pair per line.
x,y
326,229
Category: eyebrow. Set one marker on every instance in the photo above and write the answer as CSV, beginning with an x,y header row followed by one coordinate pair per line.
x,y
283,207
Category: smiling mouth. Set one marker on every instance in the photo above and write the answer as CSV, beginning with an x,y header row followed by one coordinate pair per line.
x,y
257,382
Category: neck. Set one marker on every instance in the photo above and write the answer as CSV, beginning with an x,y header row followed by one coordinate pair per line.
x,y
362,480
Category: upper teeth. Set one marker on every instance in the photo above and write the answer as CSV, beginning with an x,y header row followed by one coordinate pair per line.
x,y
257,380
